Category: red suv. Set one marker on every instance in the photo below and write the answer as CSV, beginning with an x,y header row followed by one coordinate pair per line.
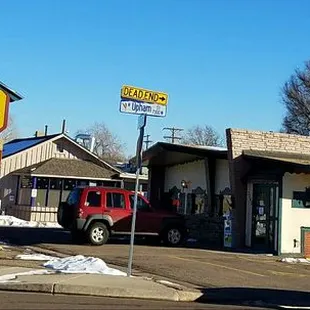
x,y
98,212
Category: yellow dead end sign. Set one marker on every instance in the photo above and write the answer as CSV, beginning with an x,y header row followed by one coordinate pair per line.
x,y
4,109
144,95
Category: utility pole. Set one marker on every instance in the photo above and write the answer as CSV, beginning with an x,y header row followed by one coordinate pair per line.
x,y
173,131
147,141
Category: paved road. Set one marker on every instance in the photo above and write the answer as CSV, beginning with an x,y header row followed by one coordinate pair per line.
x,y
43,301
223,276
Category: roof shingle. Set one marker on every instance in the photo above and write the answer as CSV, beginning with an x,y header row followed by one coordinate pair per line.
x,y
68,168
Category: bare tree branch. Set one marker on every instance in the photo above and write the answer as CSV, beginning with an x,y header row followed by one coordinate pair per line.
x,y
202,135
296,98
107,145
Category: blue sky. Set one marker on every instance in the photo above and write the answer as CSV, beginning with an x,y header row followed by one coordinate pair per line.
x,y
222,62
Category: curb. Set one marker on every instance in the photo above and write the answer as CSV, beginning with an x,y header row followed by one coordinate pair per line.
x,y
89,290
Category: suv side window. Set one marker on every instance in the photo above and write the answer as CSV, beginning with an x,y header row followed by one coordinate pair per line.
x,y
115,200
141,204
93,199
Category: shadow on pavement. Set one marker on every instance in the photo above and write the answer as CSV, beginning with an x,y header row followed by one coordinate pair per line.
x,y
24,236
255,297
32,236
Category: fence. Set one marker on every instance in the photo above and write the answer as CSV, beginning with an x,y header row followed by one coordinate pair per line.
x,y
28,213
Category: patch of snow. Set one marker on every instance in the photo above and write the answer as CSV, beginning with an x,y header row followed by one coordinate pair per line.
x,y
13,276
40,257
8,220
292,260
82,264
170,284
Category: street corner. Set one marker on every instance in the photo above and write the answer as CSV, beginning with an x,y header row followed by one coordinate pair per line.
x,y
184,293
90,276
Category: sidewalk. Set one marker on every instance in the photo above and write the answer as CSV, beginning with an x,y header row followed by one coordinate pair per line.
x,y
95,285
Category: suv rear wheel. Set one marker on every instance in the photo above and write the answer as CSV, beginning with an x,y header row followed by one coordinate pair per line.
x,y
98,234
173,236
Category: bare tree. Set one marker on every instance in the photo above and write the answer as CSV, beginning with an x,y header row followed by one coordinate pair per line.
x,y
203,135
107,145
10,132
296,98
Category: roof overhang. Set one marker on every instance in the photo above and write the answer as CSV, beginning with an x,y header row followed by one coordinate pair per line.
x,y
168,154
14,96
290,162
132,176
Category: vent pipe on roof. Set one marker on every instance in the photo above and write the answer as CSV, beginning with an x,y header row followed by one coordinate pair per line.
x,y
45,131
63,130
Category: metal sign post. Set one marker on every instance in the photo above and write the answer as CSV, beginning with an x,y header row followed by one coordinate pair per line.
x,y
141,126
143,102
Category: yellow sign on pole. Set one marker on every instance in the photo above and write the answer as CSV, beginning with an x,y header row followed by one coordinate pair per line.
x,y
144,95
4,109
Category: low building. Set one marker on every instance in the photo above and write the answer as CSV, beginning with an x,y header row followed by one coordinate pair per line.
x,y
270,182
38,173
192,180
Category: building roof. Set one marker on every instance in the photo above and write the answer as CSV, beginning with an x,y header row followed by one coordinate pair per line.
x,y
294,158
289,162
67,168
14,96
163,153
18,145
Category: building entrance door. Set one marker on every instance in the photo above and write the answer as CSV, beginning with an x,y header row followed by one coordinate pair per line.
x,y
264,216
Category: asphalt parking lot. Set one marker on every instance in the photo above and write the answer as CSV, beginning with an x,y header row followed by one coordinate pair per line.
x,y
199,268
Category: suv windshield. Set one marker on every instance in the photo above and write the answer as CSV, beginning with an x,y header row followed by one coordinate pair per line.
x,y
74,196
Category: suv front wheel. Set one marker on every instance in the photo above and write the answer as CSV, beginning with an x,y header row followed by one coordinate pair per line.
x,y
173,236
98,234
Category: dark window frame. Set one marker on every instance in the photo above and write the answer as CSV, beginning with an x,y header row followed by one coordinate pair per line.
x,y
300,200
111,204
98,202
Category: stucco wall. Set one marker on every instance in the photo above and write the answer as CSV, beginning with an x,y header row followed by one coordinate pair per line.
x,y
193,172
221,175
293,218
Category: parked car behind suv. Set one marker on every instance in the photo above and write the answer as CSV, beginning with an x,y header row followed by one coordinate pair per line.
x,y
99,212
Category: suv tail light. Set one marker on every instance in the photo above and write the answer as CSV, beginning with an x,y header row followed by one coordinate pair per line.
x,y
80,213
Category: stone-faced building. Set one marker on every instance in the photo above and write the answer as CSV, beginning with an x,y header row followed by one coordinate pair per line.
x,y
270,183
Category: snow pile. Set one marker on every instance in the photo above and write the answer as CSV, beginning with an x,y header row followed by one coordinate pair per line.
x,y
40,257
82,264
8,220
292,260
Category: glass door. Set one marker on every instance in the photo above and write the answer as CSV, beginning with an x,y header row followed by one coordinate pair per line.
x,y
264,216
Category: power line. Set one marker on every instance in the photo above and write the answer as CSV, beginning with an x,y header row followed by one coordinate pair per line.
x,y
173,131
147,141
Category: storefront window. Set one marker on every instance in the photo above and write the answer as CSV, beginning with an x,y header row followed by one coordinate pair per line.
x,y
26,181
55,184
301,199
42,183
69,184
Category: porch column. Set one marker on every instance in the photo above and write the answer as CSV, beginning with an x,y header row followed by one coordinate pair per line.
x,y
210,182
